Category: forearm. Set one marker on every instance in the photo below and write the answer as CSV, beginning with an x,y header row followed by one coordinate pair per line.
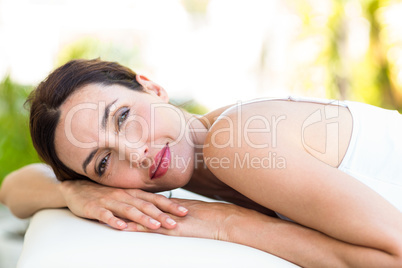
x,y
304,246
29,189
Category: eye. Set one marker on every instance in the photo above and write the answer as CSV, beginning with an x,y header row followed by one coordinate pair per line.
x,y
103,165
122,118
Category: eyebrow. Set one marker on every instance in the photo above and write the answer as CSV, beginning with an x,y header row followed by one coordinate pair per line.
x,y
88,159
104,126
106,114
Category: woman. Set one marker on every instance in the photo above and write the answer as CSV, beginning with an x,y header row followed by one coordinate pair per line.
x,y
108,134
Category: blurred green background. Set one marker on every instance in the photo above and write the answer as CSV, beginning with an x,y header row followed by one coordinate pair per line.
x,y
15,144
374,78
16,149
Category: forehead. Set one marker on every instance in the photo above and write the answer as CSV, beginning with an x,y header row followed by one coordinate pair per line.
x,y
92,93
83,110
91,99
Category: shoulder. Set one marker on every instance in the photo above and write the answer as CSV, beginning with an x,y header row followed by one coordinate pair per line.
x,y
258,124
276,125
252,138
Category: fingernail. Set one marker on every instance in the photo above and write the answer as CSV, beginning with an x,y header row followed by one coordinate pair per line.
x,y
154,222
121,224
170,221
182,209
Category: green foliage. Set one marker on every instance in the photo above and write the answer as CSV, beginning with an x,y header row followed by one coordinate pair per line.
x,y
190,106
92,48
195,6
371,78
16,148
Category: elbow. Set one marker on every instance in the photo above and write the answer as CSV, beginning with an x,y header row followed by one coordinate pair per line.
x,y
3,190
8,195
20,215
2,197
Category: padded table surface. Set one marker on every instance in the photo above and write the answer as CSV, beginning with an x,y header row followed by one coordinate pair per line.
x,y
57,238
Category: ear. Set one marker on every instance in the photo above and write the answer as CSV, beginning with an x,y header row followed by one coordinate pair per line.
x,y
150,86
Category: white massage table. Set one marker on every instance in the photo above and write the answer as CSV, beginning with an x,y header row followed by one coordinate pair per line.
x,y
56,238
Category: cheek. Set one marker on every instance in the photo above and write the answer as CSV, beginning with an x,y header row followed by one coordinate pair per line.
x,y
68,154
170,120
182,161
125,176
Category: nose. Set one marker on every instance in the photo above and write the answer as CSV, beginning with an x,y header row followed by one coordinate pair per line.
x,y
134,153
139,158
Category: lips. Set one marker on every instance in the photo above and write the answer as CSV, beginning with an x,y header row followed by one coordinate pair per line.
x,y
161,163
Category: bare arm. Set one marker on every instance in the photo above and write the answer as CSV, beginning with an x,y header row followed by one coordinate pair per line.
x,y
34,187
296,243
343,221
302,245
31,188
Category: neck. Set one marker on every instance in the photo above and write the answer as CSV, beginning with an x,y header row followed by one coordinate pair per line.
x,y
200,124
203,181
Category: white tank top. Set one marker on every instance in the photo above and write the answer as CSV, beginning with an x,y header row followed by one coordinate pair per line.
x,y
374,154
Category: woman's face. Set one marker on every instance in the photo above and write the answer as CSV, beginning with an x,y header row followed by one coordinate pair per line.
x,y
125,138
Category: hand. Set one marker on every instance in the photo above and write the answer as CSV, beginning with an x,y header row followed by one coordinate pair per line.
x,y
208,220
120,208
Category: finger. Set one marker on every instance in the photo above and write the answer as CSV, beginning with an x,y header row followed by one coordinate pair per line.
x,y
107,217
163,203
169,205
142,212
133,213
135,227
150,209
154,212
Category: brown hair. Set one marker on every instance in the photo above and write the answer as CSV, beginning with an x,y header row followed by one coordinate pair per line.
x,y
46,99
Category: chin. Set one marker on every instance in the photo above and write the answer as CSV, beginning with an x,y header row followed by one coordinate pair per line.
x,y
169,183
160,189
